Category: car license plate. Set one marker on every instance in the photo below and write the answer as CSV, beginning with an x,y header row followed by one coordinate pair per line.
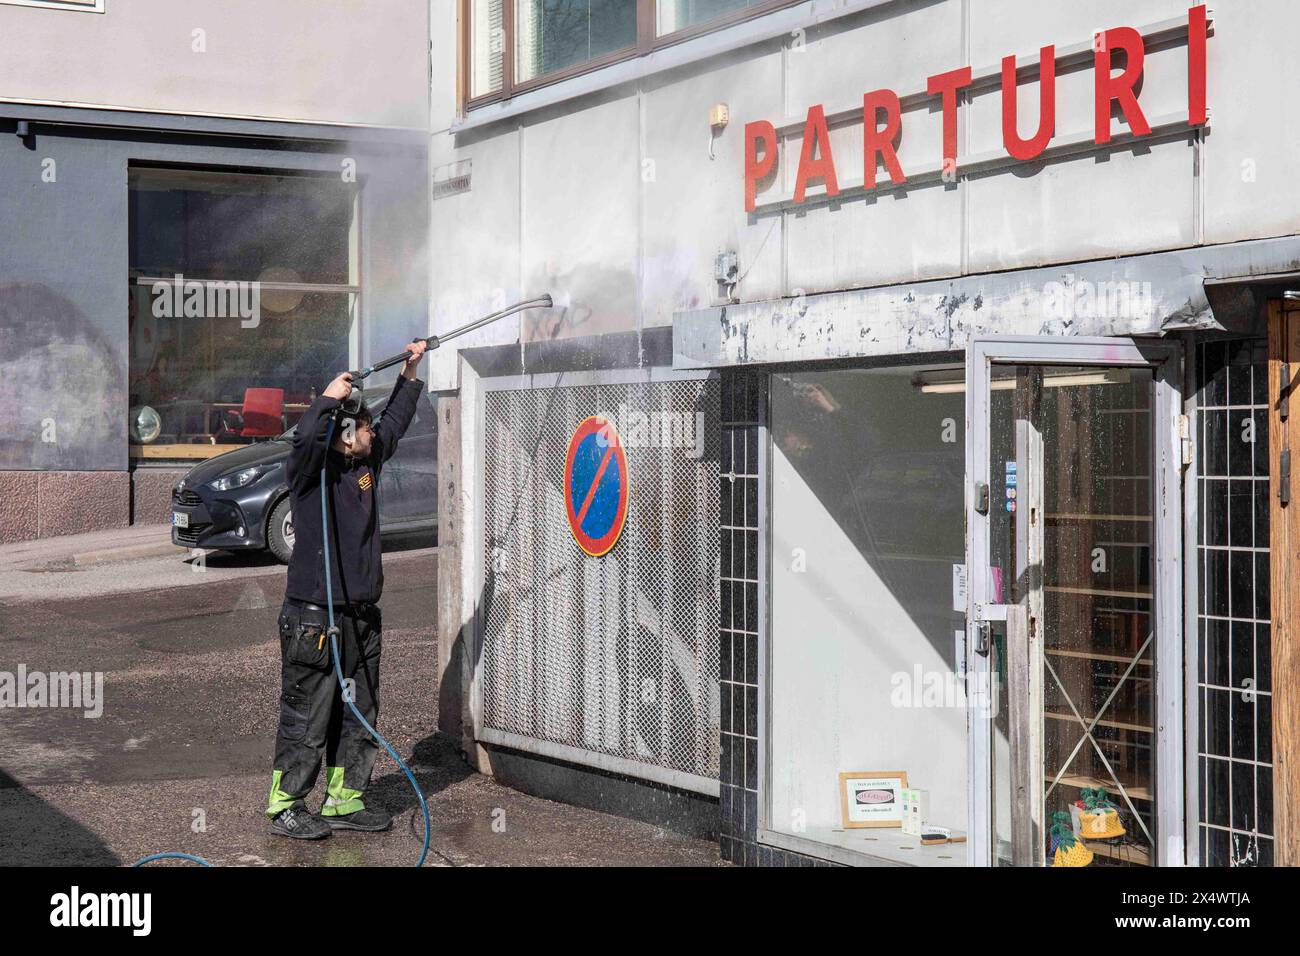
x,y
180,520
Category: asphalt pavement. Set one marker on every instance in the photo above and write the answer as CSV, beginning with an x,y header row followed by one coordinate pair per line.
x,y
180,757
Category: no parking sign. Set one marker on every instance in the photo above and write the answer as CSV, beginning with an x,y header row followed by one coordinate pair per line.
x,y
595,485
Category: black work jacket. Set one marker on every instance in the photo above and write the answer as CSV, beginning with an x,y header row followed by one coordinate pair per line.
x,y
352,488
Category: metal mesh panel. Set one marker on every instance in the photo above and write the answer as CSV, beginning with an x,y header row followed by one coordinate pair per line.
x,y
616,655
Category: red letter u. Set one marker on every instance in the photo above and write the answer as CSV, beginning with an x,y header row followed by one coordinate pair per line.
x,y
1029,148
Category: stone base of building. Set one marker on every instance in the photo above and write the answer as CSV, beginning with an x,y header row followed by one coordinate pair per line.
x,y
151,494
47,504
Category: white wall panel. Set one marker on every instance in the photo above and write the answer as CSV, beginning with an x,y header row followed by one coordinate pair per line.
x,y
581,174
474,250
1251,186
691,201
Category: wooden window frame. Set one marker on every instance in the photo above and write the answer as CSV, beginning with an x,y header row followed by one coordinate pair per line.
x,y
646,42
1284,561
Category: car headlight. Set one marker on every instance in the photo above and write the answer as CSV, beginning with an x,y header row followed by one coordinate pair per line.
x,y
236,479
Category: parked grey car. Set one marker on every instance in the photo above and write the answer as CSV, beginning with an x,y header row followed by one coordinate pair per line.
x,y
240,500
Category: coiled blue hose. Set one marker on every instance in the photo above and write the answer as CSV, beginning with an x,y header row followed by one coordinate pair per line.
x,y
338,667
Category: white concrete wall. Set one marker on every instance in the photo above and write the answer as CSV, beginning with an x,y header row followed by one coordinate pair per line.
x,y
338,61
614,197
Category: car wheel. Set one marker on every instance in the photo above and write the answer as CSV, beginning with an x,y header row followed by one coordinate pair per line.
x,y
279,531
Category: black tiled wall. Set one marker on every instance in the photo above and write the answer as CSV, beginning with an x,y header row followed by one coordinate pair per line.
x,y
1235,733
744,410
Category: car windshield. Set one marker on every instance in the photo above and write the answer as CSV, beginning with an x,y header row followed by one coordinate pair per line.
x,y
376,399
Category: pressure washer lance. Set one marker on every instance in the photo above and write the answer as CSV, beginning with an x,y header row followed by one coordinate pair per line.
x,y
351,406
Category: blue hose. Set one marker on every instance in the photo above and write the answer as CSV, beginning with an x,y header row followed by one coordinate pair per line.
x,y
338,672
338,667
170,856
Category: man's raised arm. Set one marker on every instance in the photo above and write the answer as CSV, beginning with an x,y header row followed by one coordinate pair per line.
x,y
309,446
401,405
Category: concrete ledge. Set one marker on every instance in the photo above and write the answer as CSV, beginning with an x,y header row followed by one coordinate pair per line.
x,y
63,551
150,549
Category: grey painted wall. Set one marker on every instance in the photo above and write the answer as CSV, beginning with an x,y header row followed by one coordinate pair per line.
x,y
64,268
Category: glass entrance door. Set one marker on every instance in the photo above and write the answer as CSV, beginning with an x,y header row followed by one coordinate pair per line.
x,y
1073,530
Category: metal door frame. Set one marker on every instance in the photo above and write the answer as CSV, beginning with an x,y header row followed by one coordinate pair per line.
x,y
1164,359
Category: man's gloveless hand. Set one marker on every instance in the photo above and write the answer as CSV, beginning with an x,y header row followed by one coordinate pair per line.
x,y
341,387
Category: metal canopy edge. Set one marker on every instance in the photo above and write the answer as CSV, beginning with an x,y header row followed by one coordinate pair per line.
x,y
1149,294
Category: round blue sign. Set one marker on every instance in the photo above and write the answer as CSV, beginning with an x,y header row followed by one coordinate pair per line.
x,y
595,485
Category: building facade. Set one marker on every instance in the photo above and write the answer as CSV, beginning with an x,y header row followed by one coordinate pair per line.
x,y
208,206
984,312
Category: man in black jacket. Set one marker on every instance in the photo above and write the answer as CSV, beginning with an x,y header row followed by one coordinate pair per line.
x,y
314,720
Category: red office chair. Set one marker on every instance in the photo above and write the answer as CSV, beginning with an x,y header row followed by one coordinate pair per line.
x,y
261,415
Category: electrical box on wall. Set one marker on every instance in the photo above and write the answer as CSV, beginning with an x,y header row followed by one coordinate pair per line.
x,y
726,267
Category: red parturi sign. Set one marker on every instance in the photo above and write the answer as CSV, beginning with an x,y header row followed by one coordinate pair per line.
x,y
882,113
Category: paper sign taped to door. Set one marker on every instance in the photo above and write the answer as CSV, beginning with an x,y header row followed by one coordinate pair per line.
x,y
959,588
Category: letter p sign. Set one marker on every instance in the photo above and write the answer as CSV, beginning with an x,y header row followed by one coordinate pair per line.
x,y
756,169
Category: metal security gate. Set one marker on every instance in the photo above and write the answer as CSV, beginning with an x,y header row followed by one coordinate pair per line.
x,y
607,661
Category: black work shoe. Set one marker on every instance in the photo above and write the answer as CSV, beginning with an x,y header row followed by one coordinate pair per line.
x,y
363,819
297,823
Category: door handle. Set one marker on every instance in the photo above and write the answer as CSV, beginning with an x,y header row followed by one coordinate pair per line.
x,y
1284,390
1284,479
982,638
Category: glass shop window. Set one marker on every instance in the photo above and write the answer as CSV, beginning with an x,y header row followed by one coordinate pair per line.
x,y
867,528
243,302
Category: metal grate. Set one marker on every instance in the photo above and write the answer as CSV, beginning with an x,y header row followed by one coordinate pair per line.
x,y
1235,681
616,655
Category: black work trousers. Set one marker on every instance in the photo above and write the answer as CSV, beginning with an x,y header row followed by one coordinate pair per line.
x,y
315,722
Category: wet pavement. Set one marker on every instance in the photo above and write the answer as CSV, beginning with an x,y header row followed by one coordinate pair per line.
x,y
180,757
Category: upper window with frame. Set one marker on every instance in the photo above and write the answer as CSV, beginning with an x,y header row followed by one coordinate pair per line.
x,y
515,45
88,6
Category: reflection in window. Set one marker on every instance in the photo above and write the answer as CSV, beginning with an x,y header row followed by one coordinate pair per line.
x,y
242,303
550,39
867,524
674,15
556,34
487,45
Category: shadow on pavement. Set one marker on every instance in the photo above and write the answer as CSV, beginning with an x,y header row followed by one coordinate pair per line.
x,y
33,833
437,765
